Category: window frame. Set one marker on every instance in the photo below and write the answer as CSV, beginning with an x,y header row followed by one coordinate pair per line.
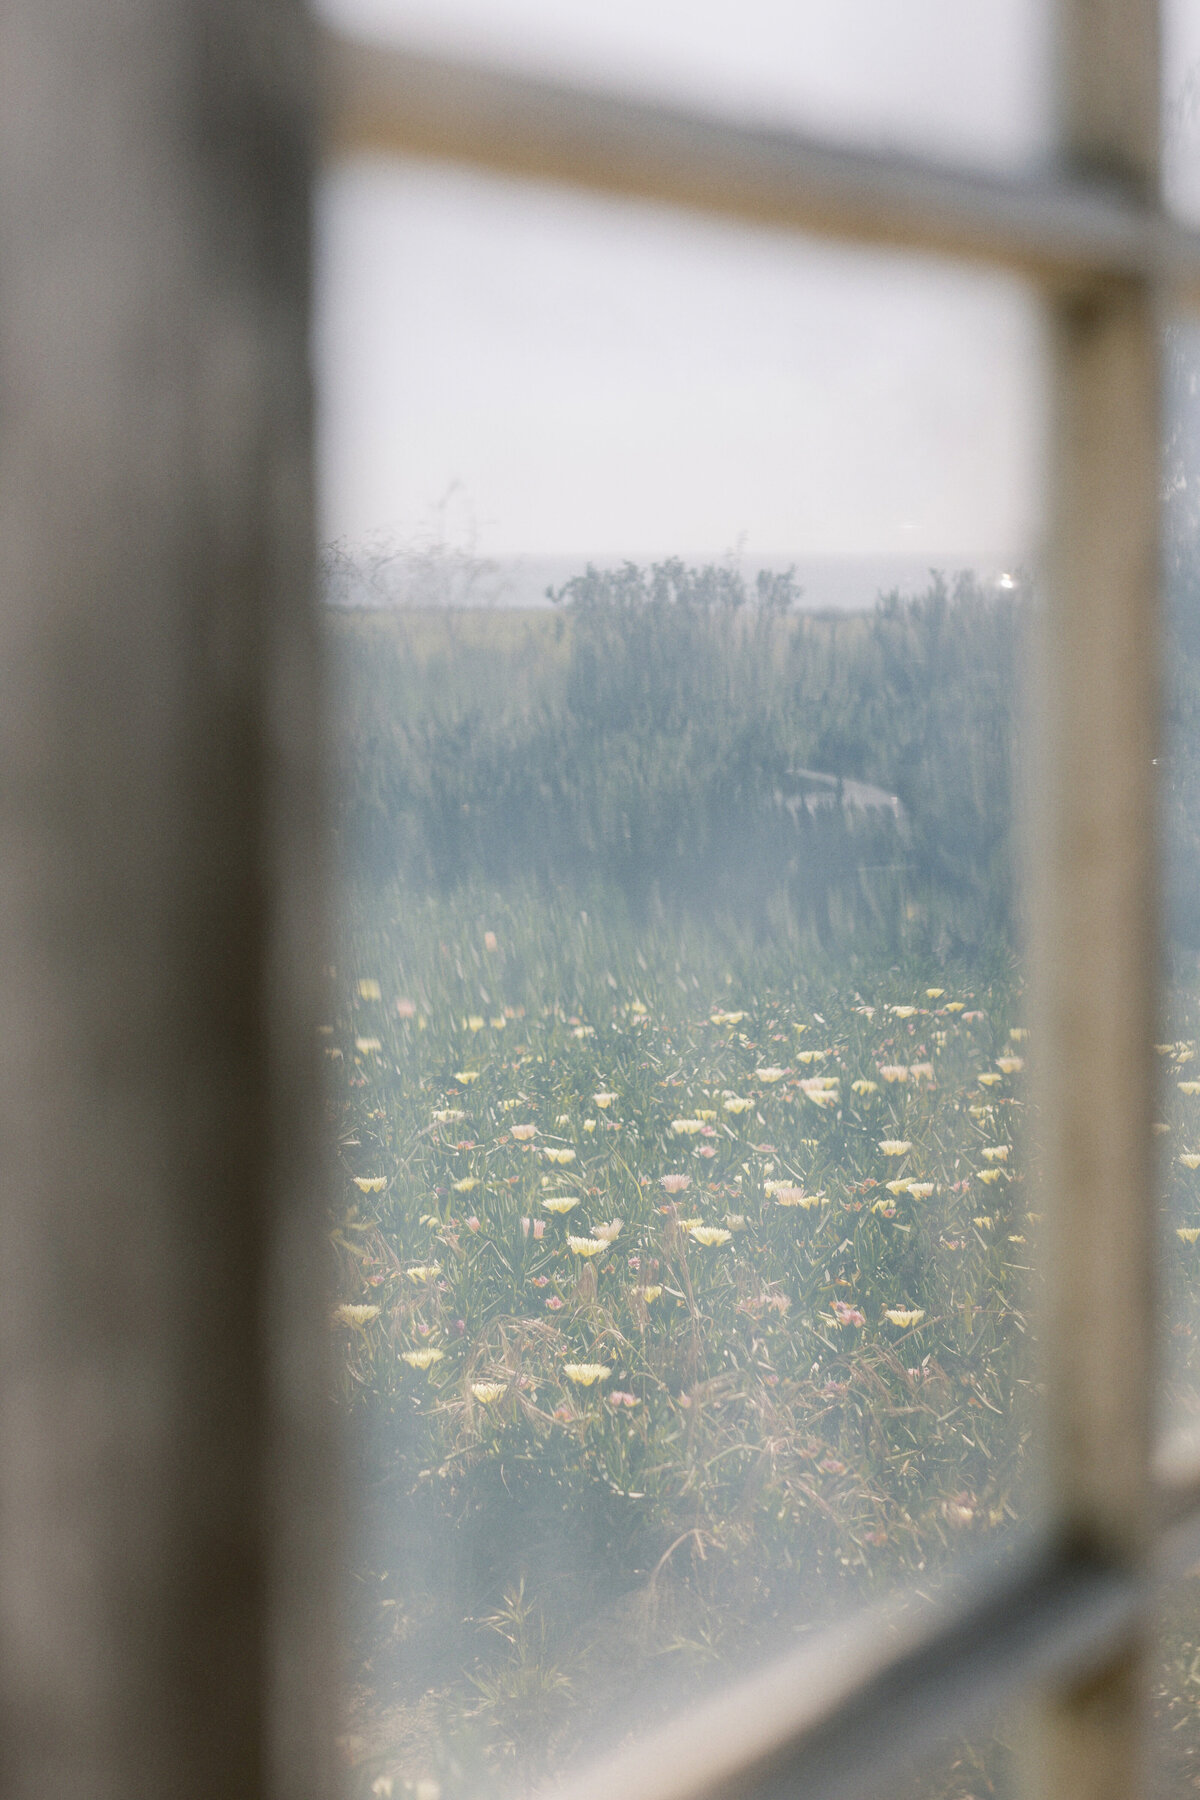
x,y
1067,1624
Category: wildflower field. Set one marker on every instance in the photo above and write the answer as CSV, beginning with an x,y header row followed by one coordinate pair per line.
x,y
685,1259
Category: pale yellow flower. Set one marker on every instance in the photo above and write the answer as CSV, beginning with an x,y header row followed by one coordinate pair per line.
x,y
996,1153
1188,1233
499,1023
988,1078
895,1146
467,1185
523,1133
603,1101
449,1115
1188,1087
562,1122
608,1233
1010,1065
474,1023
558,1156
736,1221
704,1115
862,1086
989,1175
894,1071
822,1090
1018,1033
785,1193
1190,1160
561,1203
921,1071
370,1184
811,1056
348,1314
686,1127
1159,1127
709,1235
585,1374
424,1271
899,1186
920,1190
587,1246
769,1076
727,1018
934,993
649,1294
984,1221
466,1076
488,1392
421,1359
584,1031
369,989
904,1316
367,1046
735,1104
954,1006
902,1012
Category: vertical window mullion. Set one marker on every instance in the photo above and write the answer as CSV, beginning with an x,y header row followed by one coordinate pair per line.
x,y
1094,961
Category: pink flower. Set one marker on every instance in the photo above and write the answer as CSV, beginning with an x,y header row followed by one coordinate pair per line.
x,y
675,1184
472,1223
847,1315
620,1399
706,1150
554,1303
539,1228
406,1009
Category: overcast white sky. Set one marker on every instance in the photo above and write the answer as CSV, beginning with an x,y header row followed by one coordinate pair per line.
x,y
602,378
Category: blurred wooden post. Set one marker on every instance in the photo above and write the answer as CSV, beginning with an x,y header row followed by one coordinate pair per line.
x,y
1095,973
162,1454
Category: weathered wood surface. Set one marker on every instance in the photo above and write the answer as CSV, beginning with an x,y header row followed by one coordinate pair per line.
x,y
161,1462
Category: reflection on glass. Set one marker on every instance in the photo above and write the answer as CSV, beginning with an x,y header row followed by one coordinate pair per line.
x,y
676,1050
1175,1705
1181,107
932,76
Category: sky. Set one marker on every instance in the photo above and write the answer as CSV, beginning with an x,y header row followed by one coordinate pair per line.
x,y
590,376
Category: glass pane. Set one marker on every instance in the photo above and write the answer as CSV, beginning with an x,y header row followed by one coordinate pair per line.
x,y
1181,106
931,76
1175,1765
676,1035
1178,1122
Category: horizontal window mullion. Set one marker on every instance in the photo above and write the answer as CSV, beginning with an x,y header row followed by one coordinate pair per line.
x,y
1056,229
841,1714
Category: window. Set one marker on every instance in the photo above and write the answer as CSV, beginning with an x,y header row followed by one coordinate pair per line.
x,y
163,705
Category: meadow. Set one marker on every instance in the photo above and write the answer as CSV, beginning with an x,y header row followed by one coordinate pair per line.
x,y
684,1246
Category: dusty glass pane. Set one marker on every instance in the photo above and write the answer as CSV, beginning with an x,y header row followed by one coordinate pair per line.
x,y
676,1036
932,77
1175,1764
1178,1122
1181,107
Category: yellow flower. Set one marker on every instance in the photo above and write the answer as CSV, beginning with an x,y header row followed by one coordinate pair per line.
x,y
736,1221
487,1392
902,1012
954,1006
709,1235
1158,1126
811,1056
558,1156
983,1221
864,1087
784,1193
899,1186
370,1184
1018,1034
687,1224
920,1190
894,1072
1190,1160
996,1153
822,1090
769,1076
466,1076
649,1294
561,1203
737,1105
934,993
474,1023
686,1127
904,1316
584,1374
603,1101
562,1122
895,1146
424,1271
366,1045
355,1315
587,1246
1188,1233
1188,1087
706,1117
921,1071
449,1115
467,1185
421,1359
989,1175
1010,1065
523,1133
369,990
727,1018
608,1233
988,1078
